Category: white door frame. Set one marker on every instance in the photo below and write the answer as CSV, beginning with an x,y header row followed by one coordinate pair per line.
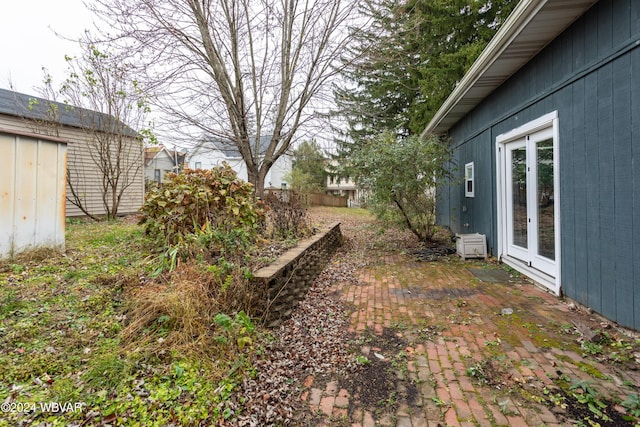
x,y
548,273
510,246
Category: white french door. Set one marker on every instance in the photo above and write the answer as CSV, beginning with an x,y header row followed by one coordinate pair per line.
x,y
517,200
528,184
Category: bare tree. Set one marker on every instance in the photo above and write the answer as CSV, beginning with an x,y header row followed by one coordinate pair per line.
x,y
235,70
100,98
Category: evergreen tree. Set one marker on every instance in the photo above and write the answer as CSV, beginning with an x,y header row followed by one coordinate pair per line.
x,y
449,36
407,60
404,64
381,80
308,170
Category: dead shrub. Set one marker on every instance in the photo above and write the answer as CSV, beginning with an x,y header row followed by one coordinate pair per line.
x,y
286,215
34,255
182,313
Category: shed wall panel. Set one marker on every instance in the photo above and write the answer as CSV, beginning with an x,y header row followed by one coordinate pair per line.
x,y
573,246
591,189
32,188
26,193
563,100
634,252
634,19
606,190
623,180
7,196
621,23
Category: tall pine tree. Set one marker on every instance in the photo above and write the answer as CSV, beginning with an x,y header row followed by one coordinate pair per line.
x,y
380,76
407,61
449,36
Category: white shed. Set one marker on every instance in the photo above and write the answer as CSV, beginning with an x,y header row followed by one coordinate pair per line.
x,y
32,192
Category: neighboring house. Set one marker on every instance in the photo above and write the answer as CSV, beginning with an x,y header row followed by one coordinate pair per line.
x,y
159,161
210,153
546,129
22,114
341,186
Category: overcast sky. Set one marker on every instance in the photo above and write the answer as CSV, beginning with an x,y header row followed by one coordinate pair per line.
x,y
28,40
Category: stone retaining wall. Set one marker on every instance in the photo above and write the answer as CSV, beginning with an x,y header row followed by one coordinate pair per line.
x,y
285,282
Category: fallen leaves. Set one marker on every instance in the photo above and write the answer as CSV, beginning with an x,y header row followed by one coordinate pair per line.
x,y
313,343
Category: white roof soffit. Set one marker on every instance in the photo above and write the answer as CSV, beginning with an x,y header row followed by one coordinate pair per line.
x,y
531,26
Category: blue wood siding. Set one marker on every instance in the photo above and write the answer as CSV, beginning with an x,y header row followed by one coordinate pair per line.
x,y
623,186
466,214
574,251
590,74
635,173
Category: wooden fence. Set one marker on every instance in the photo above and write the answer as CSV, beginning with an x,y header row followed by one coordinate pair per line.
x,y
319,199
313,199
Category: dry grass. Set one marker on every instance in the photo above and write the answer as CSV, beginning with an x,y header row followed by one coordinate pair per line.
x,y
176,312
180,307
34,255
179,314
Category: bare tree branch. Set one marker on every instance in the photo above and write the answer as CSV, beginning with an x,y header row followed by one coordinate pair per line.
x,y
236,70
107,105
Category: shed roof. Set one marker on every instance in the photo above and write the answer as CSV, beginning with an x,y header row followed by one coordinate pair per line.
x,y
532,25
32,107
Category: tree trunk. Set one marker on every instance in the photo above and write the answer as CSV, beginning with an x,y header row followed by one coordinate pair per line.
x,y
408,222
258,184
259,188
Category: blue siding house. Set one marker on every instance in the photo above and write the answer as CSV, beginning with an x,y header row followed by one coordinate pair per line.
x,y
545,128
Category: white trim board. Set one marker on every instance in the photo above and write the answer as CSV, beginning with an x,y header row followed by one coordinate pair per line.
x,y
547,121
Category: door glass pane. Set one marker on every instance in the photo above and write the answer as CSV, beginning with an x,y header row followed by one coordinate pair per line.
x,y
545,199
519,202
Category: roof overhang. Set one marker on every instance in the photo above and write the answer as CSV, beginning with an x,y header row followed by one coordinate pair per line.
x,y
33,135
532,25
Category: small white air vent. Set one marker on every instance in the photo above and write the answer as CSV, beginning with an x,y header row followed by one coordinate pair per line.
x,y
471,245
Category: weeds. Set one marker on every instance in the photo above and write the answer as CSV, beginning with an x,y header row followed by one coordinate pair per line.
x,y
439,402
556,399
399,363
585,394
505,407
591,348
612,350
632,404
362,360
93,327
477,371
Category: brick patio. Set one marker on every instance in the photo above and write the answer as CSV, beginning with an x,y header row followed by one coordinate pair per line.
x,y
473,353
